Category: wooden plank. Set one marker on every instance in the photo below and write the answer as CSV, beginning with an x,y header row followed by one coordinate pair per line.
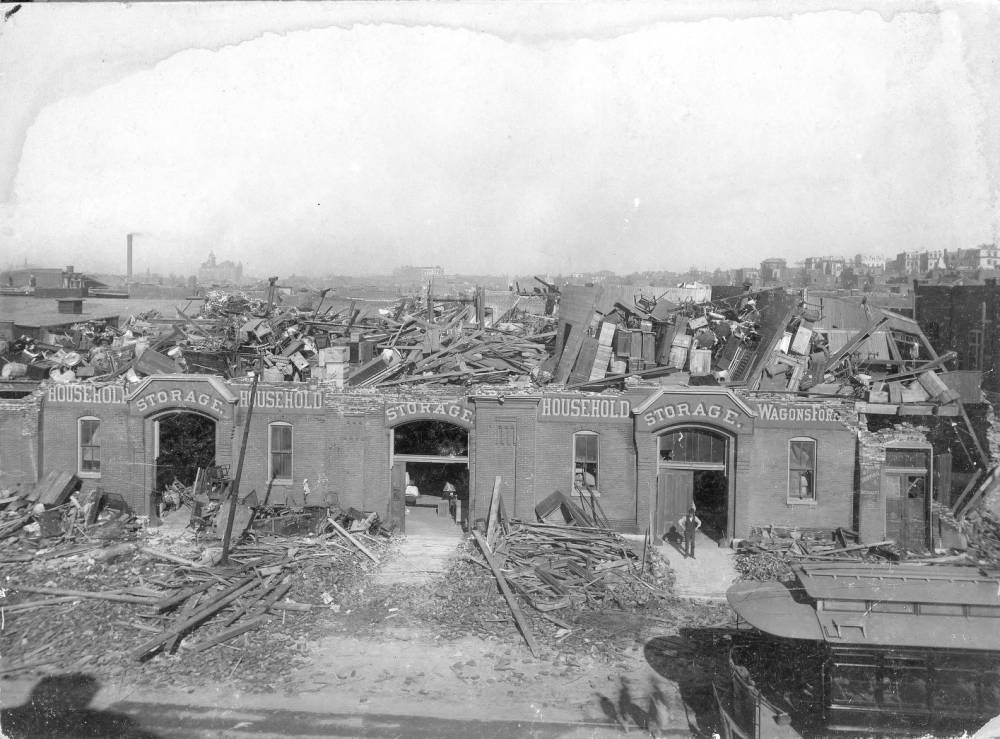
x,y
95,595
515,609
170,558
56,488
987,483
491,519
227,634
166,604
347,535
189,607
206,612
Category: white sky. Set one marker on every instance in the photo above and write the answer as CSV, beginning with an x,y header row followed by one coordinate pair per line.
x,y
504,138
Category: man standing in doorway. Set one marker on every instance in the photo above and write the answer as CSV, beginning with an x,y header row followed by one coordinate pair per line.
x,y
452,495
689,525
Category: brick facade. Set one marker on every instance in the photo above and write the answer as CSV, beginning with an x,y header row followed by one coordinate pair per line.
x,y
342,444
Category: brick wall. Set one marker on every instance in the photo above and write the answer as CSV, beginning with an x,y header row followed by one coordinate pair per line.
x,y
124,467
616,465
762,488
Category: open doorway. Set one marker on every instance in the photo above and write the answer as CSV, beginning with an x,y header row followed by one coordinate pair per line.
x,y
184,442
693,469
433,457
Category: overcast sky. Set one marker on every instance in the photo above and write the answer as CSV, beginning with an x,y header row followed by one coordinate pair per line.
x,y
502,138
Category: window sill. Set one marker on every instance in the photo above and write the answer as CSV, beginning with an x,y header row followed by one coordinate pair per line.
x,y
282,483
801,501
88,475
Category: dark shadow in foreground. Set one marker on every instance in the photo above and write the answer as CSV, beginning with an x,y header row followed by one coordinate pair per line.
x,y
176,721
692,659
650,714
58,708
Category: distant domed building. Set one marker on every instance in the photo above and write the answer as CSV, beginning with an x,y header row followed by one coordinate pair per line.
x,y
219,273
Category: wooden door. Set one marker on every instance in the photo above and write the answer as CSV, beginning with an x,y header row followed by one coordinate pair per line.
x,y
506,464
397,498
906,510
915,513
674,494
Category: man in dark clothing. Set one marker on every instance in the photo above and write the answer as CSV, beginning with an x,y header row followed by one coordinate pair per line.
x,y
688,526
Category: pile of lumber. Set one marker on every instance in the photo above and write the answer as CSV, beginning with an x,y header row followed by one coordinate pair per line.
x,y
769,557
52,513
180,603
559,568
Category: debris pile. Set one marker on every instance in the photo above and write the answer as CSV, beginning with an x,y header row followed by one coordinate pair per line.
x,y
83,351
54,511
560,567
766,340
983,532
455,340
769,553
162,592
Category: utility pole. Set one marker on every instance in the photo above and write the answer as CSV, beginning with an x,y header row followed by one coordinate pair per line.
x,y
234,493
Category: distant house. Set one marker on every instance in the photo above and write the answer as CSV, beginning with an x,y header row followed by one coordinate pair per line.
x,y
49,281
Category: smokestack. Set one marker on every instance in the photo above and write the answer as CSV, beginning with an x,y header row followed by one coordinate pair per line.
x,y
128,253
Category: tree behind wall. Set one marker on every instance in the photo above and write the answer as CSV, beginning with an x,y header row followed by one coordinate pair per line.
x,y
187,442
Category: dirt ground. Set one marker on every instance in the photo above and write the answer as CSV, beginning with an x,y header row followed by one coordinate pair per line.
x,y
444,648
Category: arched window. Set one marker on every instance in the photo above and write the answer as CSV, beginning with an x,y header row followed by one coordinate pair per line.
x,y
586,460
88,446
279,452
802,470
693,447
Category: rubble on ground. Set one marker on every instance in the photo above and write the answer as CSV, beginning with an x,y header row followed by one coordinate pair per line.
x,y
769,553
87,585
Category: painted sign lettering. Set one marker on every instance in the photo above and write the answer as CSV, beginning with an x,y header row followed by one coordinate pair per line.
x,y
599,408
109,394
289,399
712,411
453,411
176,397
797,414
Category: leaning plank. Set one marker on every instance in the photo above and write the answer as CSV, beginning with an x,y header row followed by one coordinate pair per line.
x,y
491,524
169,557
283,587
96,595
186,611
55,488
269,584
229,633
347,535
32,604
166,604
209,610
515,609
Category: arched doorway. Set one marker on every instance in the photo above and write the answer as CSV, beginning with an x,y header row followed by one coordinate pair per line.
x,y
694,467
430,460
183,441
